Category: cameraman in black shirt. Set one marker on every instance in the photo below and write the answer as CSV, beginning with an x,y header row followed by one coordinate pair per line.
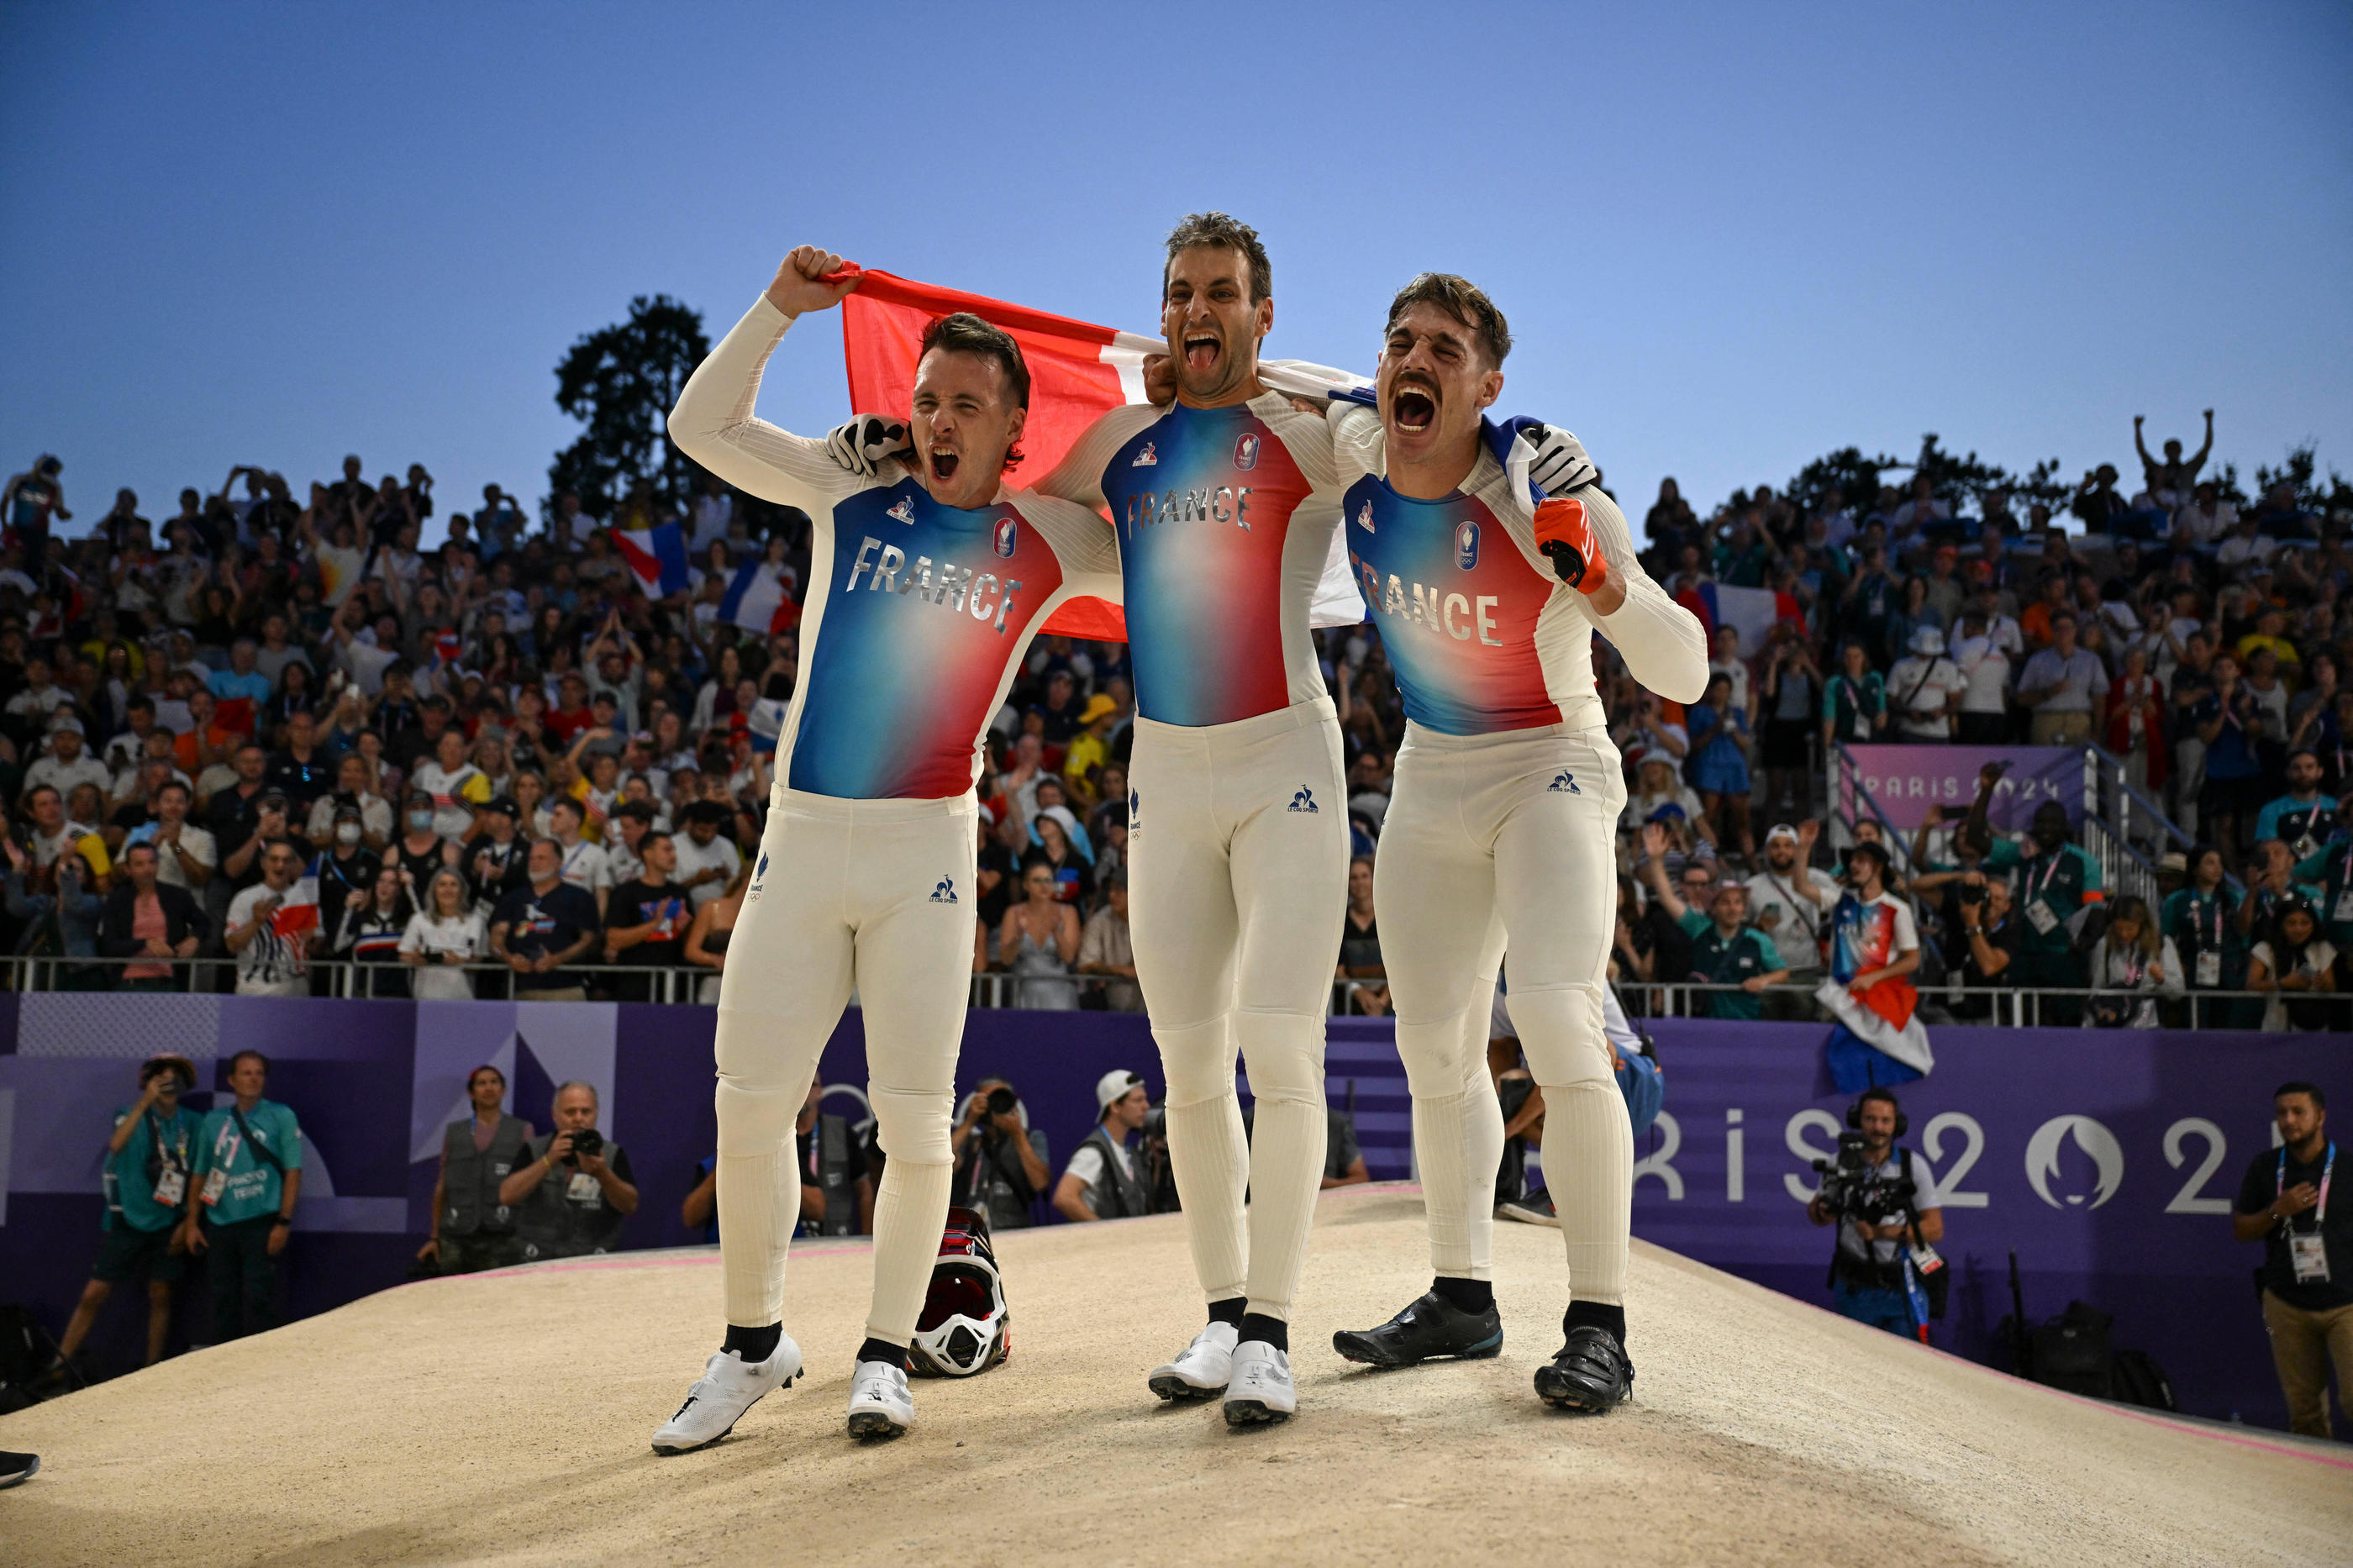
x,y
2307,1274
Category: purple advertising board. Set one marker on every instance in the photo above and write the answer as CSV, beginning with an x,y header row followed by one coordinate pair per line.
x,y
2107,1160
1907,780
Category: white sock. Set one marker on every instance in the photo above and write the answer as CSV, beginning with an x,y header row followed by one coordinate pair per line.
x,y
910,1213
1283,1054
1458,1142
759,1201
1588,1161
1212,1161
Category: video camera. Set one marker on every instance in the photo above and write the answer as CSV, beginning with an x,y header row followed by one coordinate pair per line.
x,y
1852,1190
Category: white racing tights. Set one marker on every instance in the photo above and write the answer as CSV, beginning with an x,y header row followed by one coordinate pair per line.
x,y
878,894
1490,841
1237,869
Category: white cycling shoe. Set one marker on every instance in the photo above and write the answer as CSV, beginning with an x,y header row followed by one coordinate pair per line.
x,y
879,1403
1202,1370
1261,1391
726,1389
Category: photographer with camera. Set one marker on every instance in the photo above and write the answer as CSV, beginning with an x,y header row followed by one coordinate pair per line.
x,y
571,1199
1889,1220
1103,1179
1000,1159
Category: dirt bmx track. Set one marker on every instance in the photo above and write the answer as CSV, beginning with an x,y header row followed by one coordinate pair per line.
x,y
503,1418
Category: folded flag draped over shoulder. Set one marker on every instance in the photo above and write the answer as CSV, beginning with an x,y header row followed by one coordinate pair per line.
x,y
1876,1039
756,600
1750,611
656,557
1077,371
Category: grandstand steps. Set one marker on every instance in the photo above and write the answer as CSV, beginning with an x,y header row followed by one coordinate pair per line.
x,y
503,1418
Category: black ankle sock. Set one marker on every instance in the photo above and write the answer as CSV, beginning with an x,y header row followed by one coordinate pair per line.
x,y
1464,1295
1597,1314
884,1352
753,1345
1229,1310
1273,1331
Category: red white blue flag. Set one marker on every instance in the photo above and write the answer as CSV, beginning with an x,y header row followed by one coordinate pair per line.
x,y
656,557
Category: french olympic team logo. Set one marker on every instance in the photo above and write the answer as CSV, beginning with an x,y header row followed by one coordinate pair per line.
x,y
1466,546
1006,538
904,511
1246,452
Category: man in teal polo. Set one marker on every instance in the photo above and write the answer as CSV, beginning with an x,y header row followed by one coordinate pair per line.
x,y
149,1157
241,1200
1727,951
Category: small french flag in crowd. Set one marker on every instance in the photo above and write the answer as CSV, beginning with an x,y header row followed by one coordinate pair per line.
x,y
655,556
756,600
1751,612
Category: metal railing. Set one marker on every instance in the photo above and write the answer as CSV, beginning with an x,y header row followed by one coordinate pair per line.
x,y
2007,1006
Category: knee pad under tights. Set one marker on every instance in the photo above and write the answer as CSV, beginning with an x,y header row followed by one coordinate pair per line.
x,y
1560,1030
913,1125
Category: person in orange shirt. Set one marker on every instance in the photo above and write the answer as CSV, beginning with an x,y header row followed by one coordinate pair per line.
x,y
206,742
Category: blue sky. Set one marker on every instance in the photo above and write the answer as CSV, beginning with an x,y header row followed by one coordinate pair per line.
x,y
1728,238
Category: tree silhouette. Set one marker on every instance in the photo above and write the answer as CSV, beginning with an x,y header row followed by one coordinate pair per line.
x,y
621,382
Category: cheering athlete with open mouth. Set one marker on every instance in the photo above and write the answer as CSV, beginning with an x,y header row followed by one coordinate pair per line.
x,y
1224,506
927,580
1502,814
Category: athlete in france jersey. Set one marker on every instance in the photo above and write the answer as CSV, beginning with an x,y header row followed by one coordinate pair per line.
x,y
917,614
1481,633
1501,824
1224,517
916,621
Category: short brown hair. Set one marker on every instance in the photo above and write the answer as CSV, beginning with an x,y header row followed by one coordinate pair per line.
x,y
966,333
1222,230
1460,299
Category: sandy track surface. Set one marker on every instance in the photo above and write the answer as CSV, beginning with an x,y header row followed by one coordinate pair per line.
x,y
504,1420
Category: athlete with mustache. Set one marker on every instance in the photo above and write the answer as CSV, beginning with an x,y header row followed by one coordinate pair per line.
x,y
926,582
1503,816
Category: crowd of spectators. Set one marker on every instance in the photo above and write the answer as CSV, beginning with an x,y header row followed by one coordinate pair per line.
x,y
271,733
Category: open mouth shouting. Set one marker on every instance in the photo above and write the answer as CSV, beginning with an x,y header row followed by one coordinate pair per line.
x,y
1413,406
944,459
1201,351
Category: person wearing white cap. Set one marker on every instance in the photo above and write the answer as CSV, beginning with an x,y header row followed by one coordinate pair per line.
x,y
1102,1182
68,765
1790,900
1924,689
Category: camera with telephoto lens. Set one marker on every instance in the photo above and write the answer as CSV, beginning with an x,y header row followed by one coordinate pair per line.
x,y
589,1142
1971,895
1001,1100
1852,1190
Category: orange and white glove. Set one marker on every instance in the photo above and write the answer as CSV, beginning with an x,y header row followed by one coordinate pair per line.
x,y
1564,533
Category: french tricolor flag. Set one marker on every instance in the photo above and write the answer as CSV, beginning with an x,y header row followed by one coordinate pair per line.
x,y
1751,612
656,557
756,600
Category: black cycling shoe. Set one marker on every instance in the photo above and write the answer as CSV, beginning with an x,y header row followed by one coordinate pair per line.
x,y
1428,1328
1589,1374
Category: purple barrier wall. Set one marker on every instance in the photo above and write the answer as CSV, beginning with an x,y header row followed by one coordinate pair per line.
x,y
2107,1160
